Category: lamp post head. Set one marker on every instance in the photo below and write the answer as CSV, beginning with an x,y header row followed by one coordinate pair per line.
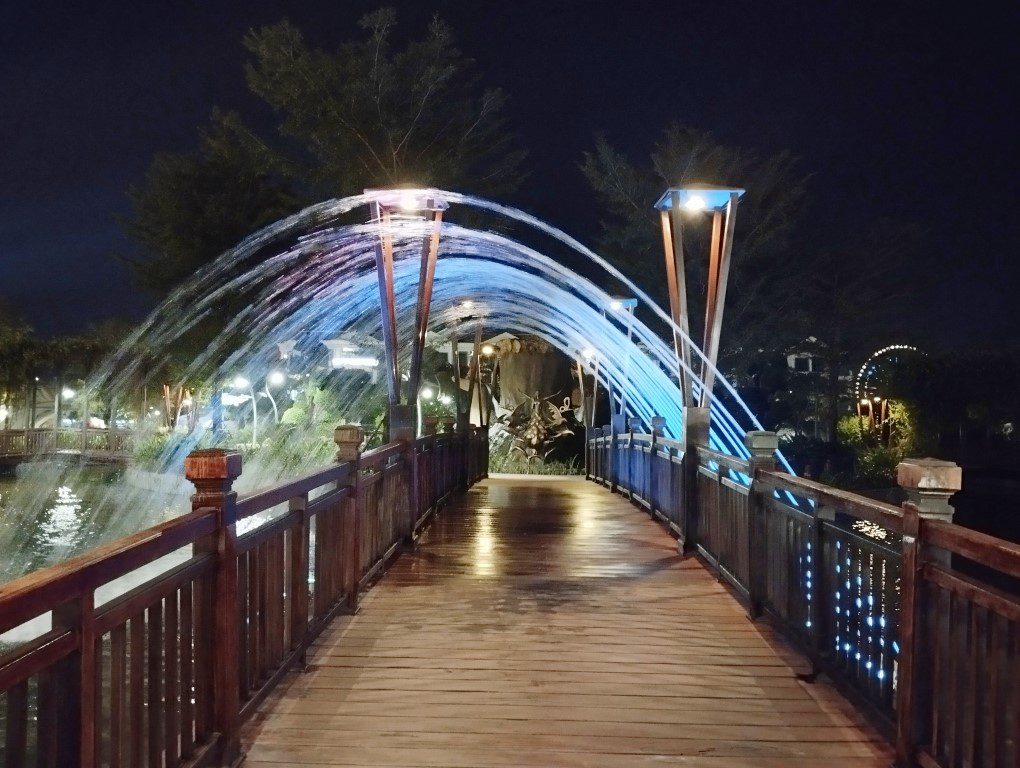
x,y
698,197
408,200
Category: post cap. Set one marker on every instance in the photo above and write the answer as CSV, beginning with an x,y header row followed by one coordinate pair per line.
x,y
658,425
213,464
430,424
929,476
634,423
348,439
761,443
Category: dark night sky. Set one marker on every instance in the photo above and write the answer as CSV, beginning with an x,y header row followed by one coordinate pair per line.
x,y
897,109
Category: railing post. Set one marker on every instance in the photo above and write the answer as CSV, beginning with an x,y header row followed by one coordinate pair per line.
x,y
696,427
913,685
657,426
213,473
763,446
617,427
349,439
430,424
633,462
450,428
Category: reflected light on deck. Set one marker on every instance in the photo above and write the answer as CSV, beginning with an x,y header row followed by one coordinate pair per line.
x,y
485,545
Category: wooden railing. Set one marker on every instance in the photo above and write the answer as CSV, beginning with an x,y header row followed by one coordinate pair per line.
x,y
884,601
29,442
165,673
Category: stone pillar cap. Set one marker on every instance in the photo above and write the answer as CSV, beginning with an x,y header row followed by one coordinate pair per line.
x,y
761,442
212,464
929,475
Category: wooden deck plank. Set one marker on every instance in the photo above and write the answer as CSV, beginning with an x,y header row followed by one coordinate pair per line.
x,y
550,623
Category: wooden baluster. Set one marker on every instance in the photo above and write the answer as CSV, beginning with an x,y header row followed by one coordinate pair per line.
x,y
187,649
213,473
16,725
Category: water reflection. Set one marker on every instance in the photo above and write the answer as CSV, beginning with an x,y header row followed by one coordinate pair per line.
x,y
51,511
485,544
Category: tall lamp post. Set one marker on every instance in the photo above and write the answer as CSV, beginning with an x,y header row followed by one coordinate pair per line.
x,y
696,199
386,205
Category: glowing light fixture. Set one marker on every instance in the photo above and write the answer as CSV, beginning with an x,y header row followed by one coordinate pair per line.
x,y
241,383
588,354
67,393
445,399
488,349
698,197
426,393
695,203
276,378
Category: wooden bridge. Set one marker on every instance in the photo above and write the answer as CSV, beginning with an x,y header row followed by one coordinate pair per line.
x,y
531,623
98,445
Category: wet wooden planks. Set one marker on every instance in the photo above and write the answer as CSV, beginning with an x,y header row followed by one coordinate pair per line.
x,y
549,623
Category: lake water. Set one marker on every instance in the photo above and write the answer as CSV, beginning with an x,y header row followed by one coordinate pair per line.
x,y
50,512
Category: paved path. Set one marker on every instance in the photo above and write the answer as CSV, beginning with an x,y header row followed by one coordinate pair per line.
x,y
548,622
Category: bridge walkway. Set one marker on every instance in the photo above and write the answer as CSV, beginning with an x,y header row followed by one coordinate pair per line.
x,y
547,622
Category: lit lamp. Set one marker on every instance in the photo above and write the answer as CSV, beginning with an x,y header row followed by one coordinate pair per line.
x,y
721,203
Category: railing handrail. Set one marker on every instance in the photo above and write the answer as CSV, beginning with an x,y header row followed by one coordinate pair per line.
x,y
881,513
48,588
267,498
990,551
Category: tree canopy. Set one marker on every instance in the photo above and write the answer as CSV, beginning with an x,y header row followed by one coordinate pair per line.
x,y
370,113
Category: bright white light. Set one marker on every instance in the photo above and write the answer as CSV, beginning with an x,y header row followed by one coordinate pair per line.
x,y
67,393
3,412
467,304
426,393
409,201
588,354
186,402
155,412
488,349
616,305
276,378
864,401
353,361
241,383
445,399
695,203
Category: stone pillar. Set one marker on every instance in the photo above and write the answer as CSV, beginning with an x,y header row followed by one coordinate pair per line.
x,y
929,484
658,425
403,423
429,424
696,423
763,446
634,424
213,473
